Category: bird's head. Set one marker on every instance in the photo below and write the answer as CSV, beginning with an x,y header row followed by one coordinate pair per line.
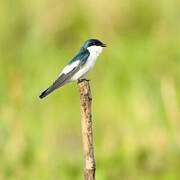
x,y
93,42
94,45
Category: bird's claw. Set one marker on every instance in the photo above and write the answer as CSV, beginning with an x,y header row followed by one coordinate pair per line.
x,y
81,80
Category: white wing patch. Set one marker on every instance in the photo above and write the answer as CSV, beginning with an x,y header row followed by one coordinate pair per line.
x,y
68,68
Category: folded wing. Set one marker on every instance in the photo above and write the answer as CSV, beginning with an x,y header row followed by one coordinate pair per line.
x,y
69,70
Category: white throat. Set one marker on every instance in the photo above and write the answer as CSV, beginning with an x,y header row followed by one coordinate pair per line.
x,y
95,50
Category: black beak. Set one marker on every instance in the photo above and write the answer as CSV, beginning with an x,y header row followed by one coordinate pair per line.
x,y
104,45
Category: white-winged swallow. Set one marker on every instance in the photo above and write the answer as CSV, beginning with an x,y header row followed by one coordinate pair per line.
x,y
79,66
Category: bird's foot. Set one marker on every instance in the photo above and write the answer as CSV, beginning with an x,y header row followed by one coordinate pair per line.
x,y
81,80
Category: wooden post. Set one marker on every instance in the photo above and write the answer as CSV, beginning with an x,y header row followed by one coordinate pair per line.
x,y
87,132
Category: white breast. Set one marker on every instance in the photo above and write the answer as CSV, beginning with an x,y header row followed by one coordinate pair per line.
x,y
94,51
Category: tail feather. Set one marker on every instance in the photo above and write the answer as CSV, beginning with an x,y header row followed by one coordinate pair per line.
x,y
46,92
49,90
58,83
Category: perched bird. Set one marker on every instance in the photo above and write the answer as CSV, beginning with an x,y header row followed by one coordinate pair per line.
x,y
79,66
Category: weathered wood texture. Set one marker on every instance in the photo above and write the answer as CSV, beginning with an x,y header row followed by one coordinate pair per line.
x,y
87,132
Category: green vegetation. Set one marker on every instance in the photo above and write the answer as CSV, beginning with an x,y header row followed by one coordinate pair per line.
x,y
135,87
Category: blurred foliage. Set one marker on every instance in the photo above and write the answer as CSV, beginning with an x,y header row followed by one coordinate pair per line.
x,y
135,87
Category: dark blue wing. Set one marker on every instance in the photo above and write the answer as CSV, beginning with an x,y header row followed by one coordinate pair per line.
x,y
65,77
82,55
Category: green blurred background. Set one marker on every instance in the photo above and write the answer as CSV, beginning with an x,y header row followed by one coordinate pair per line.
x,y
135,86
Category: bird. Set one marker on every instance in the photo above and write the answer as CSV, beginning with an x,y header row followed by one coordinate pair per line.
x,y
79,66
